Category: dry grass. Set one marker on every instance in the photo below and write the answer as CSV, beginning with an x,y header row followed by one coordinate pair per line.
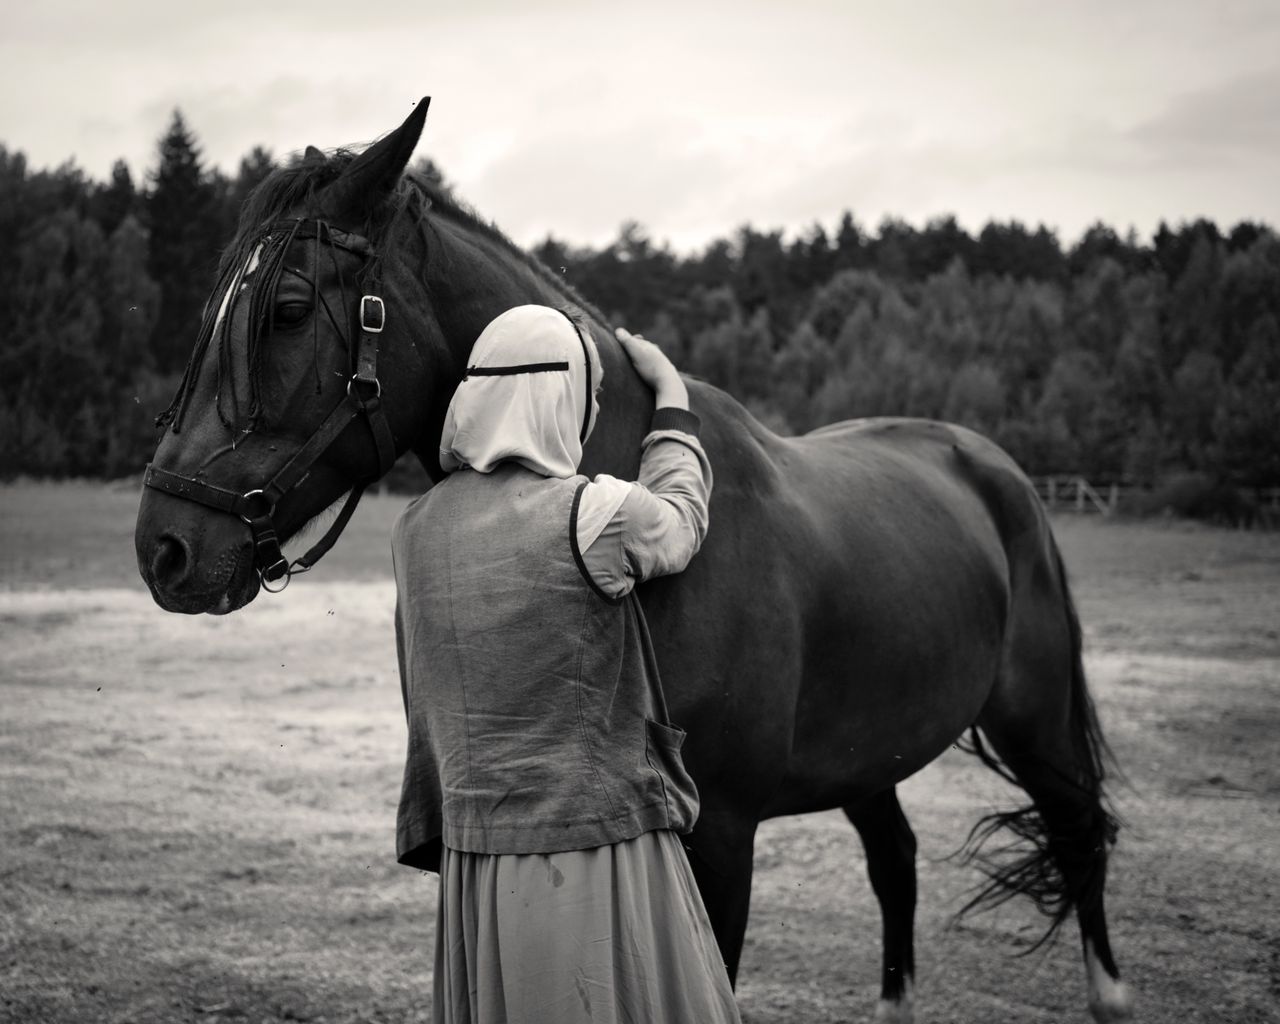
x,y
196,814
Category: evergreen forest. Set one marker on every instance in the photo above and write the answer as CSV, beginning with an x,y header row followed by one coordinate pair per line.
x,y
1111,357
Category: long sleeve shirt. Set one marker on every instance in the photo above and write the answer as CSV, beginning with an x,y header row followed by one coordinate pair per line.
x,y
631,531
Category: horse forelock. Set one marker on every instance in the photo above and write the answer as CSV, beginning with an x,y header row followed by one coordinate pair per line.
x,y
252,263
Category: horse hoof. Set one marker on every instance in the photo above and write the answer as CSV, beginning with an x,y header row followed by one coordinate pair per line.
x,y
895,1011
1111,1002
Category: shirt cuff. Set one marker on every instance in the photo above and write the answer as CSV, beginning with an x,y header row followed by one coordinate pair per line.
x,y
671,418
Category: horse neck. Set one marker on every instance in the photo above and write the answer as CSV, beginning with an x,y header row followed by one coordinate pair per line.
x,y
471,278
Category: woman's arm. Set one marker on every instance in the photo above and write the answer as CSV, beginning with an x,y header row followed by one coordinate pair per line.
x,y
629,532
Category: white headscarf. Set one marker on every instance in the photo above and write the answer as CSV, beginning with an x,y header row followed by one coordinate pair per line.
x,y
524,398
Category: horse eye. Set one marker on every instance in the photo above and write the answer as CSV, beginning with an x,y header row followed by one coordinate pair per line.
x,y
291,314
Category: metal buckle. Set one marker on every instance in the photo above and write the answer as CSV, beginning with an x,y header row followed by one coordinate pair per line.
x,y
372,304
357,379
256,494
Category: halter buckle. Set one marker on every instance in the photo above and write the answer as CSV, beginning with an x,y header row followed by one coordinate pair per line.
x,y
256,505
373,314
357,380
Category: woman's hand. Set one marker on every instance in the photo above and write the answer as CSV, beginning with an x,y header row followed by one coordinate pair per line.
x,y
655,369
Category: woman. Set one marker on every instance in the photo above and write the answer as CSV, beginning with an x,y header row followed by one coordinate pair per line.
x,y
540,751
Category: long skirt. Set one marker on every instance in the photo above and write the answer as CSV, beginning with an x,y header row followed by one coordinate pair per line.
x,y
611,935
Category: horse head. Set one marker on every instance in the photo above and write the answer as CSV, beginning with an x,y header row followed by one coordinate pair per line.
x,y
316,365
340,325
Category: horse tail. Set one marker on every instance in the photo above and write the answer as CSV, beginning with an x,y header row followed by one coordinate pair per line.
x,y
1091,746
1057,844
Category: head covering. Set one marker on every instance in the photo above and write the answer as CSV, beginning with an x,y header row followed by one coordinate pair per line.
x,y
528,396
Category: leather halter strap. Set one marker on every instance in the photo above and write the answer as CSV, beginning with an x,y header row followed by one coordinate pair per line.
x,y
363,398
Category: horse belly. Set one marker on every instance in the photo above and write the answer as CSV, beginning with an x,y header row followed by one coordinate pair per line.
x,y
865,729
902,645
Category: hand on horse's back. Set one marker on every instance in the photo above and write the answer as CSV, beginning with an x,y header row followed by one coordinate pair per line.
x,y
655,369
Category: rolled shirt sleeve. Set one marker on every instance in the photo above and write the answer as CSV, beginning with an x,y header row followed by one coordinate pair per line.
x,y
657,523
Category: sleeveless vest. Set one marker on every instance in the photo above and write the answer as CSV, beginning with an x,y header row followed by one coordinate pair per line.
x,y
535,711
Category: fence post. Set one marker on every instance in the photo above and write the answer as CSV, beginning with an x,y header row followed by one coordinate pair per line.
x,y
1053,492
1113,497
1079,494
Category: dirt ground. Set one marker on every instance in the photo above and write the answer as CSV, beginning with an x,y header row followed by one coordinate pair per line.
x,y
196,814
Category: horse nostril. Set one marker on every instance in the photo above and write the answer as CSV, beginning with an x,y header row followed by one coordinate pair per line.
x,y
170,562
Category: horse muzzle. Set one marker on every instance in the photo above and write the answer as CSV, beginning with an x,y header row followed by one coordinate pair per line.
x,y
194,563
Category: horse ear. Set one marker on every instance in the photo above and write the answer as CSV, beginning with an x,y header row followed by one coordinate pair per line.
x,y
373,174
311,155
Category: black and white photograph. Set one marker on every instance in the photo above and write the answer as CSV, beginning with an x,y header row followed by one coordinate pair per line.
x,y
567,512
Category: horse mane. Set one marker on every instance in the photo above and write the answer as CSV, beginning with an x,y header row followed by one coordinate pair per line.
x,y
294,188
446,202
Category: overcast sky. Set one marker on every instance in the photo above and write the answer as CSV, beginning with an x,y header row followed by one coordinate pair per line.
x,y
569,117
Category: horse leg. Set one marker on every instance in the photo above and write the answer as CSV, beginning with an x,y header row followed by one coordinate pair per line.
x,y
1041,723
890,846
721,859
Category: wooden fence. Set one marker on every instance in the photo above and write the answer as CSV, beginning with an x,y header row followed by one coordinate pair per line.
x,y
1076,494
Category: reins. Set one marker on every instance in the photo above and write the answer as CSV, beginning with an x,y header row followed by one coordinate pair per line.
x,y
363,399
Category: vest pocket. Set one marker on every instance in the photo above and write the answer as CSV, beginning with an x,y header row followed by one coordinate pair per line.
x,y
662,750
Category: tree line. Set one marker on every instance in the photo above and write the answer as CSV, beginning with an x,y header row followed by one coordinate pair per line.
x,y
1110,358
1114,358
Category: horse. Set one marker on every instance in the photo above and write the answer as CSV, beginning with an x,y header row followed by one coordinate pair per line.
x,y
869,593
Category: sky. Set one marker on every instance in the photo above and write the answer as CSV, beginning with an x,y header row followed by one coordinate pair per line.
x,y
570,117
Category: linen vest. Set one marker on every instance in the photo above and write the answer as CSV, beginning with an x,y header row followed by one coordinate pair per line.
x,y
535,711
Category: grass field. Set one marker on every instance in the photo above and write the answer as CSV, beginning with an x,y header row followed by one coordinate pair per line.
x,y
196,814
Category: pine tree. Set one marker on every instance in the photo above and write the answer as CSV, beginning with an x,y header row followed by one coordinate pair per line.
x,y
183,220
51,368
1247,419
118,199
849,244
130,302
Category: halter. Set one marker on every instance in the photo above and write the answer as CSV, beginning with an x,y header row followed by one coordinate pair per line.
x,y
363,398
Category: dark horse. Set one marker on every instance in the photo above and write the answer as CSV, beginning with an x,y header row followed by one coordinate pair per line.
x,y
868,591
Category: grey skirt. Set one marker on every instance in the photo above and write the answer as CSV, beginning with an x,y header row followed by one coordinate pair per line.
x,y
611,935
